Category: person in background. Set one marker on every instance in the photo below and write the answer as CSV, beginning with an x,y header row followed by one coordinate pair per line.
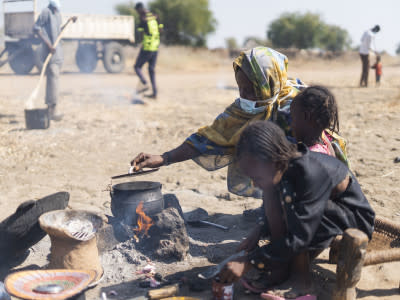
x,y
48,28
150,27
367,41
378,70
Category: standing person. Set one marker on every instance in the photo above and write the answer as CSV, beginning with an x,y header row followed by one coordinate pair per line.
x,y
378,70
366,45
48,28
150,27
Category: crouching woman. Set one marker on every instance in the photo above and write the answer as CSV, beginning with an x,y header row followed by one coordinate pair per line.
x,y
308,199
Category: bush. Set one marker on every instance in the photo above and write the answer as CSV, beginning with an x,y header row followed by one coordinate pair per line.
x,y
186,22
306,31
398,49
253,41
231,43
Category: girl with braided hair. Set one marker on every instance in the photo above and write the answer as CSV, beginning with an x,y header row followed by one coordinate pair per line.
x,y
314,114
308,199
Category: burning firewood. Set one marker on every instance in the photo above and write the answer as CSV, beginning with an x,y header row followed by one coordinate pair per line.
x,y
164,292
144,222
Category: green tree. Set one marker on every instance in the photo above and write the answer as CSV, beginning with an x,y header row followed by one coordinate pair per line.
x,y
127,9
186,22
306,31
295,30
334,38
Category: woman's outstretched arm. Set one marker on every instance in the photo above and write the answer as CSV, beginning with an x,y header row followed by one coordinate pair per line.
x,y
181,153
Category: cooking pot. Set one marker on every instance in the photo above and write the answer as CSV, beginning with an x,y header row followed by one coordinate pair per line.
x,y
125,197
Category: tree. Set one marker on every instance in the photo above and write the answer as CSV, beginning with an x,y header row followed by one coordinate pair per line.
x,y
306,31
295,30
334,38
398,49
186,22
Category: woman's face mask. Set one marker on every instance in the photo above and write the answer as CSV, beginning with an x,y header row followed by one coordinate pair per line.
x,y
255,107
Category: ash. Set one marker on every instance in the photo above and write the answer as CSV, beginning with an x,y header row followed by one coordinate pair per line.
x,y
167,242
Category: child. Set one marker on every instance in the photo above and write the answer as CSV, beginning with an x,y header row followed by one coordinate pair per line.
x,y
313,111
308,198
378,70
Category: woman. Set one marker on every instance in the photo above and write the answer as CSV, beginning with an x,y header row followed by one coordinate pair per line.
x,y
308,199
265,94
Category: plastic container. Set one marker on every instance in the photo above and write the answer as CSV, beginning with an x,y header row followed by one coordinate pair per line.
x,y
222,291
37,118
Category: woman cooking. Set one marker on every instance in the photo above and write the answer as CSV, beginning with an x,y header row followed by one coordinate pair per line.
x,y
266,93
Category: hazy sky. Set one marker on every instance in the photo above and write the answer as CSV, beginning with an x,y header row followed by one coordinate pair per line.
x,y
241,18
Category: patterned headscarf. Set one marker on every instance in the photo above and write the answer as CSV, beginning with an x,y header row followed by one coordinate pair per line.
x,y
267,70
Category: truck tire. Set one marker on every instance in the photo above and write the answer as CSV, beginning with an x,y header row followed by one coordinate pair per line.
x,y
24,62
114,58
86,58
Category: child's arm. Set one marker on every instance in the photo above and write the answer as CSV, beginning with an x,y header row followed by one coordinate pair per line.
x,y
304,217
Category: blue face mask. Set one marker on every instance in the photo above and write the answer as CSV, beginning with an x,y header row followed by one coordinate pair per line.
x,y
249,106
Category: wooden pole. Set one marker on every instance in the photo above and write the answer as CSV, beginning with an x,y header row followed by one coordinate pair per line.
x,y
334,251
351,259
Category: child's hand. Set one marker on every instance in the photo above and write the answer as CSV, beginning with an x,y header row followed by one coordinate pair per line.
x,y
251,241
234,270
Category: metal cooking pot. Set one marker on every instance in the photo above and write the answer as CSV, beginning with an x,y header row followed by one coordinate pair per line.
x,y
125,197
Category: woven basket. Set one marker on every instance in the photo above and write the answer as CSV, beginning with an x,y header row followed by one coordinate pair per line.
x,y
385,243
73,240
22,284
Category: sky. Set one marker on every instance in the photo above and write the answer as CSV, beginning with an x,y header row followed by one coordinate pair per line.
x,y
242,18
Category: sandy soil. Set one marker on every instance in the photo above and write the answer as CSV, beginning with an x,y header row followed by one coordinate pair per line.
x,y
102,130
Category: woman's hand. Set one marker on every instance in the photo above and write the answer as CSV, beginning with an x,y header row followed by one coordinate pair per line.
x,y
144,160
251,241
234,270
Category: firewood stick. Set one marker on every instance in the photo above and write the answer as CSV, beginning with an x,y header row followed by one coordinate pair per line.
x,y
351,259
164,292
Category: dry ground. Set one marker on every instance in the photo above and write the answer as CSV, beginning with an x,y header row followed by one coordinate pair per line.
x,y
102,130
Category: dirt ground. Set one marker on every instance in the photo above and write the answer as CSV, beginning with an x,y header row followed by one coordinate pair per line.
x,y
103,129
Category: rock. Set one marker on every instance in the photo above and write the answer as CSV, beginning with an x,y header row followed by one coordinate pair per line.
x,y
225,196
168,237
397,160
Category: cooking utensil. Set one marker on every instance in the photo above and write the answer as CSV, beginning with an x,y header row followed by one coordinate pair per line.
x,y
198,216
48,289
142,172
125,197
215,270
24,284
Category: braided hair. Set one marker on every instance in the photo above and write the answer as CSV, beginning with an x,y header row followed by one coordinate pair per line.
x,y
266,141
321,104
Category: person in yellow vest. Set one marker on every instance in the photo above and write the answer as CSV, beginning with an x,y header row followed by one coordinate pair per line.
x,y
150,27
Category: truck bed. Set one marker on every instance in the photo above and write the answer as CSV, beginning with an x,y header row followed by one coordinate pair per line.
x,y
100,27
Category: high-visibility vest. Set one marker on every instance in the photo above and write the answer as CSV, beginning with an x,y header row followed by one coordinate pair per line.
x,y
151,40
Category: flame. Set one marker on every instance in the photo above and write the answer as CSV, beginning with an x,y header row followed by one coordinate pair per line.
x,y
144,222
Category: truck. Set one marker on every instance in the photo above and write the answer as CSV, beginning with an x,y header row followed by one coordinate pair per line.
x,y
99,37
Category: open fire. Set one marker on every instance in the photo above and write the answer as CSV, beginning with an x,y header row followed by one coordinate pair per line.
x,y
144,222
